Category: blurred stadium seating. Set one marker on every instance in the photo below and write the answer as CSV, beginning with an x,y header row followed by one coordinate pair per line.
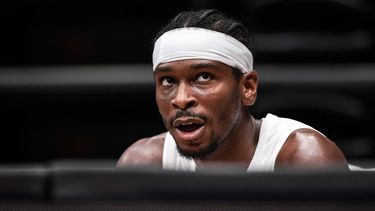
x,y
76,89
76,81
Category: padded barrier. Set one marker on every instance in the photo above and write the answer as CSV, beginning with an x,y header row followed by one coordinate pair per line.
x,y
96,185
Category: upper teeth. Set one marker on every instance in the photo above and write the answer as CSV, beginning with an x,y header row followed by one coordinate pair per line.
x,y
188,123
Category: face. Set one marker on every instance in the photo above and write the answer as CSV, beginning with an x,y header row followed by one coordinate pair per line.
x,y
200,103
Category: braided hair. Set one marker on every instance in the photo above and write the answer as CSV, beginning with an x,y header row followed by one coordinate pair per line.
x,y
210,19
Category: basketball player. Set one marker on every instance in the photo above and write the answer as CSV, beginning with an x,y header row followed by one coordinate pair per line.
x,y
205,82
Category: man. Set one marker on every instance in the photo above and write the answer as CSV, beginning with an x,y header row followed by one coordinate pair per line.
x,y
205,82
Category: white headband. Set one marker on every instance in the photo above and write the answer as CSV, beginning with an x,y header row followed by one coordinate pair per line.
x,y
198,43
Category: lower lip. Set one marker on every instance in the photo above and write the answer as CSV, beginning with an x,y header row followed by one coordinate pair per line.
x,y
190,136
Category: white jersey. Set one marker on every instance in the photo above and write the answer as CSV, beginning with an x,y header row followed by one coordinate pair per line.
x,y
273,133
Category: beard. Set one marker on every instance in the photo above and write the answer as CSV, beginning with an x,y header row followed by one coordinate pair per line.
x,y
213,145
200,154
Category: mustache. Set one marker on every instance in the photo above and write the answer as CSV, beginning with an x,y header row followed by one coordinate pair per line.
x,y
190,114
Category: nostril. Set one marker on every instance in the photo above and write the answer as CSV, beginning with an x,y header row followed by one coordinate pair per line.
x,y
184,104
190,104
183,99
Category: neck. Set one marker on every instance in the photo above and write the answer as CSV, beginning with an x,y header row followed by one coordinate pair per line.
x,y
238,148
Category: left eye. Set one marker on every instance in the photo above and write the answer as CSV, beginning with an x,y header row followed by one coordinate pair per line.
x,y
204,77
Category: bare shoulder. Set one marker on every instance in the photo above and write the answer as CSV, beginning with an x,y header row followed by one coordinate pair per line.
x,y
146,151
308,148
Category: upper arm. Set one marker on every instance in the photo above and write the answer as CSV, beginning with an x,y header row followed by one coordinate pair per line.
x,y
307,148
147,151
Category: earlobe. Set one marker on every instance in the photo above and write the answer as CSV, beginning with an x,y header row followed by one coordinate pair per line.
x,y
249,88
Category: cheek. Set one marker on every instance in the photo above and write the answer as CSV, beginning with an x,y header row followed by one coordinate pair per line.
x,y
163,101
226,105
162,106
220,97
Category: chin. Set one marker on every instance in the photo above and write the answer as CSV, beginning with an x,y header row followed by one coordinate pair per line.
x,y
199,153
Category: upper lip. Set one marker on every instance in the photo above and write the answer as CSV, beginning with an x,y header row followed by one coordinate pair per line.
x,y
187,120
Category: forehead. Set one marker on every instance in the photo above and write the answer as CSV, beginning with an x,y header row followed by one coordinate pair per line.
x,y
191,64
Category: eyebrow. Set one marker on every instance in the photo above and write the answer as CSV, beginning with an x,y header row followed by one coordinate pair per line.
x,y
195,66
164,69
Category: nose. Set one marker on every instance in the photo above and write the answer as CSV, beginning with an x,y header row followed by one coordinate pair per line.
x,y
184,98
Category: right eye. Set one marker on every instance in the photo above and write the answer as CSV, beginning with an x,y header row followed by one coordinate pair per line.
x,y
167,81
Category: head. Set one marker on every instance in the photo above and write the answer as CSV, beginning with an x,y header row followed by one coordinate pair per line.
x,y
203,99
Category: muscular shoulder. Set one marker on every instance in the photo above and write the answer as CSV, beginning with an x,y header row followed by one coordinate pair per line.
x,y
147,151
308,148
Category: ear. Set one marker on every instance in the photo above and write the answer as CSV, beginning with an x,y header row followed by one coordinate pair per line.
x,y
249,88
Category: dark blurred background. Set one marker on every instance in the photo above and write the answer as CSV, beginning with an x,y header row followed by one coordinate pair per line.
x,y
76,79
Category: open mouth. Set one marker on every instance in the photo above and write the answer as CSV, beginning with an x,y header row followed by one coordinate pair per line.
x,y
189,127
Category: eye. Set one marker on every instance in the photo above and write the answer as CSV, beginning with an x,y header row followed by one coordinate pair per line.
x,y
204,77
167,81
